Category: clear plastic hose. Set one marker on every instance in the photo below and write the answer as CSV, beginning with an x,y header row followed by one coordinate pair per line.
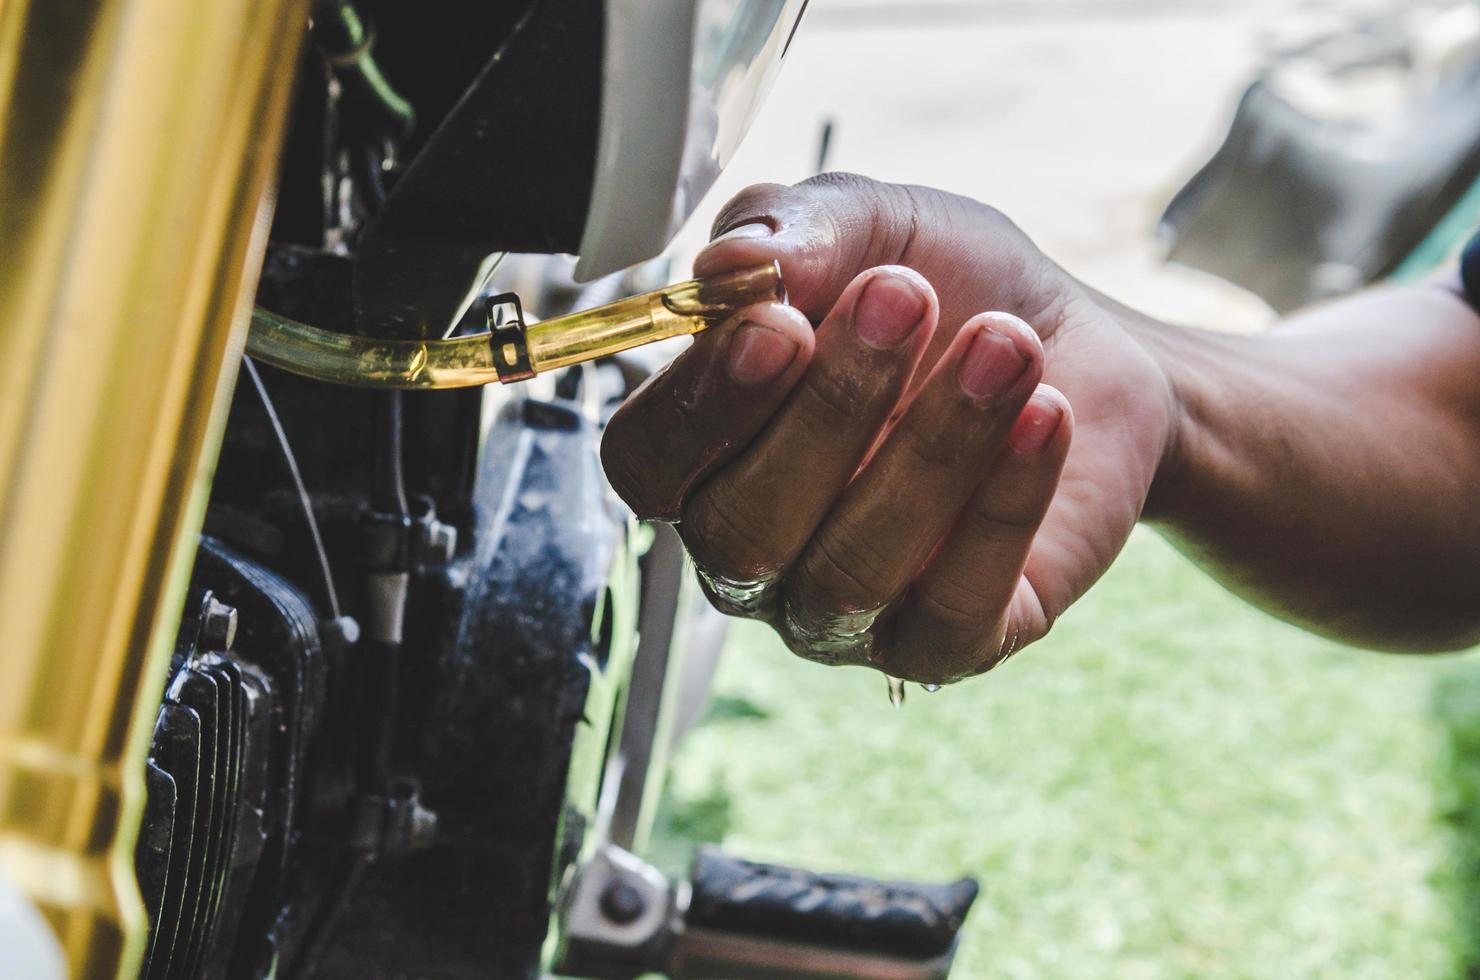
x,y
510,353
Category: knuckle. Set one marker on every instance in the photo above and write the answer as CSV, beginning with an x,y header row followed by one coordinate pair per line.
x,y
913,209
630,477
838,653
1032,286
850,184
719,528
830,400
930,444
747,600
843,572
952,218
884,219
955,609
706,532
1013,642
866,222
825,636
926,652
753,201
1002,521
718,599
867,210
1015,639
652,447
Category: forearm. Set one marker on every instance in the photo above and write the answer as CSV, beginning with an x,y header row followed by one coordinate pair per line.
x,y
1330,469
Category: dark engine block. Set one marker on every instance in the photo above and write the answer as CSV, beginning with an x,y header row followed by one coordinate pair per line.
x,y
299,824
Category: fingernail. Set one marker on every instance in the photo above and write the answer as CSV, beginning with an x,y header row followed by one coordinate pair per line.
x,y
759,354
888,311
991,366
754,229
1036,426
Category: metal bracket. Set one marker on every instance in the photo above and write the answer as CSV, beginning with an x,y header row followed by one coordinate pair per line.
x,y
393,543
618,914
506,337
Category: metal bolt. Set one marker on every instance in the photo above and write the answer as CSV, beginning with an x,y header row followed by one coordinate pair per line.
x,y
343,630
443,542
622,902
217,625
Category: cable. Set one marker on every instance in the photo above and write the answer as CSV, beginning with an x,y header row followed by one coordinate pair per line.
x,y
388,490
303,498
347,41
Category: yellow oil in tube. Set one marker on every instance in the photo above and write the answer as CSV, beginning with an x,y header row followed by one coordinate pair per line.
x,y
514,352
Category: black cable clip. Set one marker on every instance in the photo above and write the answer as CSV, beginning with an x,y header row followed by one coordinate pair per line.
x,y
506,337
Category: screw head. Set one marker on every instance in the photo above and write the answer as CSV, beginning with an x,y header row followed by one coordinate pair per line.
x,y
622,902
217,625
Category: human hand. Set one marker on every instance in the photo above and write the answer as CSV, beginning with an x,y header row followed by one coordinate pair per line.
x,y
897,488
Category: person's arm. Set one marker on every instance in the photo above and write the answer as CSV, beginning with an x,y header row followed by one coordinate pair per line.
x,y
946,439
1329,470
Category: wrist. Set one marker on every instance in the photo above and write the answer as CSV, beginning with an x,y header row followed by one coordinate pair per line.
x,y
1174,353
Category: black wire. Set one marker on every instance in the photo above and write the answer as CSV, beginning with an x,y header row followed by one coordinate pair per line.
x,y
304,500
388,472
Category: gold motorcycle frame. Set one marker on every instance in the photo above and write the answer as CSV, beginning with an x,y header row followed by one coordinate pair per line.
x,y
139,142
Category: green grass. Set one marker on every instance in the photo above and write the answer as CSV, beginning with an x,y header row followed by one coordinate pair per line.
x,y
1171,785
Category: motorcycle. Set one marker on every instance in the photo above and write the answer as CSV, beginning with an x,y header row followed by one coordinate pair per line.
x,y
307,678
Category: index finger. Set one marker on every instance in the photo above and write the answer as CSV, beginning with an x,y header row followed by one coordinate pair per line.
x,y
688,420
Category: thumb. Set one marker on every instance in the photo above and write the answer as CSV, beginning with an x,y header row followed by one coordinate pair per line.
x,y
827,230
824,232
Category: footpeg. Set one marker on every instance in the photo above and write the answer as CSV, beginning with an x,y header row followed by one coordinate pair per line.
x,y
737,920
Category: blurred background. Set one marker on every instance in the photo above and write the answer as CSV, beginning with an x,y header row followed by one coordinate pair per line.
x,y
1171,785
